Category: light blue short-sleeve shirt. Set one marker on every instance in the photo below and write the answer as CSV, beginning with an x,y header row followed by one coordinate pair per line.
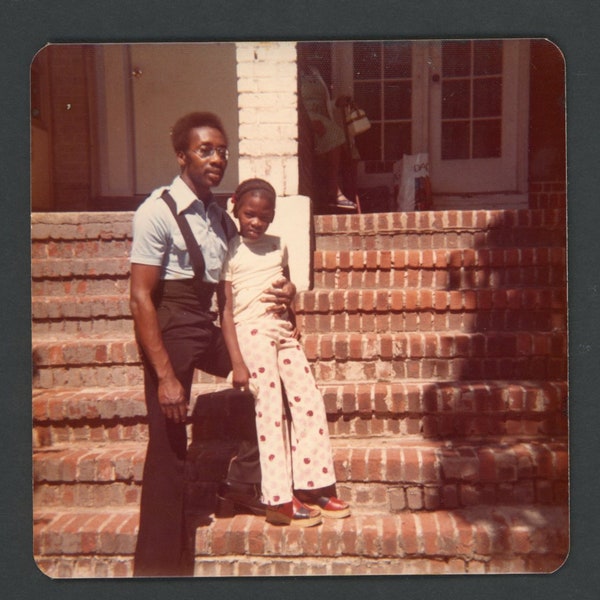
x,y
157,239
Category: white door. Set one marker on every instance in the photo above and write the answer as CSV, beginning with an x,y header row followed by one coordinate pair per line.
x,y
477,132
142,90
463,102
170,80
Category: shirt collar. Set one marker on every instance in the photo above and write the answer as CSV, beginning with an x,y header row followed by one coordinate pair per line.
x,y
183,195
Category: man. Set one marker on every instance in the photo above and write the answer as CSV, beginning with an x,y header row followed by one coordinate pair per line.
x,y
174,325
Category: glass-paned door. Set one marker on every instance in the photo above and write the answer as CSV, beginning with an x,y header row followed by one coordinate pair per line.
x,y
383,87
168,81
478,131
465,103
471,99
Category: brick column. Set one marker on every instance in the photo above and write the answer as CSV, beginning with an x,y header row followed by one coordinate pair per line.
x,y
268,116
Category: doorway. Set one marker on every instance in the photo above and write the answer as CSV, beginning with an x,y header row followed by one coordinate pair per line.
x,y
142,90
465,103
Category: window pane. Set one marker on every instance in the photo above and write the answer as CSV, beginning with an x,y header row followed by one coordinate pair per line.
x,y
383,88
456,59
369,143
367,96
397,100
487,139
456,99
316,54
397,59
367,60
397,141
487,58
455,140
487,97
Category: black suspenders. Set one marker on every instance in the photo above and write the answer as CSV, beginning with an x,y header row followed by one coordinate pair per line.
x,y
190,241
192,245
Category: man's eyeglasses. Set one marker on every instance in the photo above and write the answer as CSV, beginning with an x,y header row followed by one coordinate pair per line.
x,y
207,150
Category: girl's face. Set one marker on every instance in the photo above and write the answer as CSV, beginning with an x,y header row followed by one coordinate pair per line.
x,y
255,213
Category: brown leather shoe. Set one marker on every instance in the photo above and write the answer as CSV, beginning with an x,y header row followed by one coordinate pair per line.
x,y
330,506
239,497
293,513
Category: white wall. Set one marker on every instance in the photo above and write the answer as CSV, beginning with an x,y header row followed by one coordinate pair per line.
x,y
268,117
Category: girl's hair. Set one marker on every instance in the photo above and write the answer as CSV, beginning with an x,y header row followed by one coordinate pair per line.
x,y
253,185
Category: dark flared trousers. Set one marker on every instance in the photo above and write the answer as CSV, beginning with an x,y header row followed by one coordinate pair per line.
x,y
164,546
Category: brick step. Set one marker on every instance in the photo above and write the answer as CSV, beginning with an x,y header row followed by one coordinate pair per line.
x,y
60,287
71,235
75,268
87,474
475,262
88,245
98,415
344,346
96,275
385,474
499,539
368,310
460,269
441,229
420,309
449,220
72,350
82,360
77,361
447,409
329,371
441,541
366,408
49,228
438,356
85,314
443,369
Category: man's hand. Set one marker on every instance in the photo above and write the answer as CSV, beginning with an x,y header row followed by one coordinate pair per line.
x,y
172,399
280,295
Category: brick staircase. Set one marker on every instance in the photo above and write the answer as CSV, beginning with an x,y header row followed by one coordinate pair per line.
x,y
439,342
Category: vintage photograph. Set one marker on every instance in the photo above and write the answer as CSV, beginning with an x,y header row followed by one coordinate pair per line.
x,y
299,308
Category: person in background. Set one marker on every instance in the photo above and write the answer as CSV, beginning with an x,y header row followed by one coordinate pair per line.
x,y
329,141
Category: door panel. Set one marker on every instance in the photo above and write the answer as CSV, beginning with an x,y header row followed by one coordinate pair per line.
x,y
168,81
476,97
384,88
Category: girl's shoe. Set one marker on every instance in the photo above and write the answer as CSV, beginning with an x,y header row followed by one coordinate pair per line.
x,y
330,506
293,513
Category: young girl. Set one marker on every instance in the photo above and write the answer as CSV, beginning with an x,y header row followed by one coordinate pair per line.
x,y
297,465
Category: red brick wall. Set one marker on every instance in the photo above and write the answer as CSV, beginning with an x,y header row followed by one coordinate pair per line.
x,y
548,194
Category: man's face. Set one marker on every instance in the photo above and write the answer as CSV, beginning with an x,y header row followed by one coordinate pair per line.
x,y
202,173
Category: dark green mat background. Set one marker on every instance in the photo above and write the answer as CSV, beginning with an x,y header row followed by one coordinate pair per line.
x,y
27,25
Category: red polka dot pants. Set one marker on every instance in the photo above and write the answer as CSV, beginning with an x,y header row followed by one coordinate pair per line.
x,y
300,458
